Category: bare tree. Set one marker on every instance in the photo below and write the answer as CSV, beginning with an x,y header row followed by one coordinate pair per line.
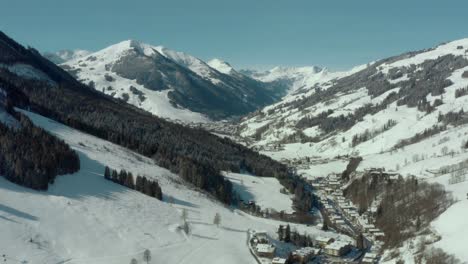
x,y
217,219
184,215
147,255
186,228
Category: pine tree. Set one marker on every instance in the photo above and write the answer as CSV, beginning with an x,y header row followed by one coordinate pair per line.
x,y
280,233
129,181
107,174
360,242
115,176
325,226
287,235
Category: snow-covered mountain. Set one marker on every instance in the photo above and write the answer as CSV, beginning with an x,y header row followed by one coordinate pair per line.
x,y
294,78
221,66
405,113
62,56
169,83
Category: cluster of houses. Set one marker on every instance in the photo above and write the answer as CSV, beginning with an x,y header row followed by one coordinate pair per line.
x,y
342,212
264,251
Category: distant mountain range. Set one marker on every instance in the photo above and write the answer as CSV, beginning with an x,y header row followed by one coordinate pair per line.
x,y
178,86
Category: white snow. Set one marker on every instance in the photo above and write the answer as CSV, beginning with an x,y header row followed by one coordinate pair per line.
x,y
264,191
221,66
83,218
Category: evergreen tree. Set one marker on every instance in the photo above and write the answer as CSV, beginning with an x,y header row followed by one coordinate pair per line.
x,y
325,226
287,235
360,242
107,174
133,261
115,176
129,181
280,233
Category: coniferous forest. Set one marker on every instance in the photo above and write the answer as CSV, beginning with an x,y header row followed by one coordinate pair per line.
x,y
141,184
31,157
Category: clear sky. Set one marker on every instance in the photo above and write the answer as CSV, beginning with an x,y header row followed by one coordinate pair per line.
x,y
247,33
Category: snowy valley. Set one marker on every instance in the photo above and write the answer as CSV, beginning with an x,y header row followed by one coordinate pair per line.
x,y
320,167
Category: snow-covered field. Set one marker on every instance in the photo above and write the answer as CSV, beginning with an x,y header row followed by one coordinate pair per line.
x,y
83,218
264,191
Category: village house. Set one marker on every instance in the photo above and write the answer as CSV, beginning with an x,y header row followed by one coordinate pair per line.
x,y
278,260
303,255
337,248
323,241
265,250
370,258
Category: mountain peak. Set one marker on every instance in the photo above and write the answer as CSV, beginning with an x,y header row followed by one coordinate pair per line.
x,y
220,66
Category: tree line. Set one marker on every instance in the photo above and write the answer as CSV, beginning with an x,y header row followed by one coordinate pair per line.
x,y
141,184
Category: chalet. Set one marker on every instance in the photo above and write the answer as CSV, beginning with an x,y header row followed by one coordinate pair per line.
x,y
303,255
323,241
278,261
265,250
337,248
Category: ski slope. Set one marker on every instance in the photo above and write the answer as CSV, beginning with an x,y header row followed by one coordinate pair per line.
x,y
260,190
84,218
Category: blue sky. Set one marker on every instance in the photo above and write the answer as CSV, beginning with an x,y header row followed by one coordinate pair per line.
x,y
248,33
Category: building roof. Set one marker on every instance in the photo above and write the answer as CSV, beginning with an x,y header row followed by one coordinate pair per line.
x,y
278,260
323,239
265,248
337,245
305,251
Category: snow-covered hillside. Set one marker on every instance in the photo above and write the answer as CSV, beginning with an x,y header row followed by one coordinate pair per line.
x,y
84,218
221,66
169,83
405,113
294,78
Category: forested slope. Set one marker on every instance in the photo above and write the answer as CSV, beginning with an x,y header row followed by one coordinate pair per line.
x,y
196,155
